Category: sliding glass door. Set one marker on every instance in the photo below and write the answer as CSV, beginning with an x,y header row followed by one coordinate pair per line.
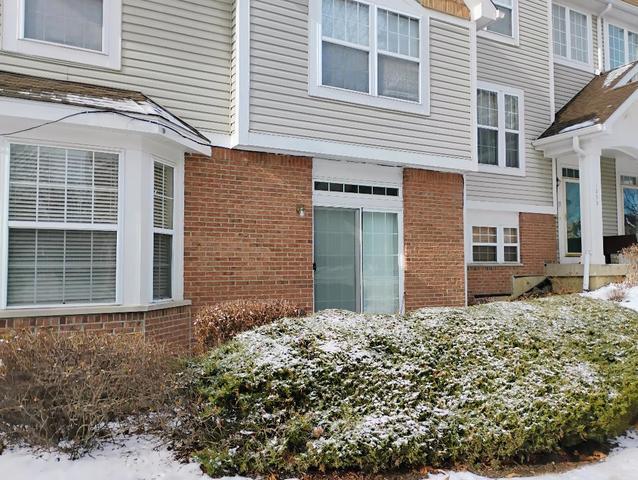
x,y
356,260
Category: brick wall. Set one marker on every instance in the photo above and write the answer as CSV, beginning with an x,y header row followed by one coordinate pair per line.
x,y
243,236
170,325
538,246
433,239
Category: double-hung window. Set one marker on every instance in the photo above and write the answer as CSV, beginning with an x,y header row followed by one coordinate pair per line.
x,y
84,31
163,231
506,24
622,46
368,54
495,244
500,127
572,33
63,226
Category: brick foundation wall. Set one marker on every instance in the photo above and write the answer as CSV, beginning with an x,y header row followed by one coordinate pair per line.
x,y
433,239
243,237
538,247
170,325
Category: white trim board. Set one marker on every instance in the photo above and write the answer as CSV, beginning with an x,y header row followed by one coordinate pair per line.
x,y
510,207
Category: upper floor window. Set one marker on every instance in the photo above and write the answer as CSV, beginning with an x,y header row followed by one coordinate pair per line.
x,y
63,226
500,131
368,54
572,33
622,46
81,31
505,24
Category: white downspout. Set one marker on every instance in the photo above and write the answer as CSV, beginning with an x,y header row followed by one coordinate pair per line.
x,y
586,253
599,25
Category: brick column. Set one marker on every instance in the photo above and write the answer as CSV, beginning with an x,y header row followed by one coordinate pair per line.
x,y
243,237
433,239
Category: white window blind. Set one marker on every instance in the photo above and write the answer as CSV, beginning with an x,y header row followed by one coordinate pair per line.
x,y
163,207
495,244
63,214
572,33
76,23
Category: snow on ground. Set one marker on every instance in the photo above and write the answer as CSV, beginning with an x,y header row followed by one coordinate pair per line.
x,y
140,458
625,295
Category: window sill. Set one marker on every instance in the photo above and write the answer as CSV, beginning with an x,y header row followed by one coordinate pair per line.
x,y
494,264
497,37
585,67
512,171
367,100
15,312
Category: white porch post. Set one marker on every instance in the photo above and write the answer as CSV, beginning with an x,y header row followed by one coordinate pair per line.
x,y
591,208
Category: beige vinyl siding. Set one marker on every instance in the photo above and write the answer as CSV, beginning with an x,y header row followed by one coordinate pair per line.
x,y
175,51
280,104
233,68
568,82
525,67
609,196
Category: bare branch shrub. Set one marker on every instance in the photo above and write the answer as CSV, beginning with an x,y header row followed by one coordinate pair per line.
x,y
62,391
631,254
216,324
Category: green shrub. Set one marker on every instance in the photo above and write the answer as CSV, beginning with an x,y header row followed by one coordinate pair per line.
x,y
61,391
489,383
216,324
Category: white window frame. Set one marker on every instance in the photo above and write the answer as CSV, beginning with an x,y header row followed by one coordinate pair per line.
x,y
164,231
500,221
568,61
623,172
6,224
499,37
607,37
13,39
501,168
371,99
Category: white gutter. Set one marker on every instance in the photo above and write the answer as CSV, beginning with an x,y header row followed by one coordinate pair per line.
x,y
541,142
587,253
599,25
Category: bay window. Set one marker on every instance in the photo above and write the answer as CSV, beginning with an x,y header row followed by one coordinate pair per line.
x,y
62,226
572,32
622,46
365,53
163,208
500,127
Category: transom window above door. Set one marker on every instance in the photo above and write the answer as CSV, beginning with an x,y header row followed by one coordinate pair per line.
x,y
369,54
572,32
78,31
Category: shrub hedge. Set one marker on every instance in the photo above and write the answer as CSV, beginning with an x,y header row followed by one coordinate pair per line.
x,y
494,382
61,391
216,324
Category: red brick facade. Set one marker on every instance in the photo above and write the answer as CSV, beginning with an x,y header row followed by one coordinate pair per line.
x,y
243,236
538,247
171,325
433,238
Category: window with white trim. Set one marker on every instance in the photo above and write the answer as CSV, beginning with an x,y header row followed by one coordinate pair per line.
x,y
369,54
500,137
622,46
82,31
572,33
630,204
63,226
506,24
495,244
163,230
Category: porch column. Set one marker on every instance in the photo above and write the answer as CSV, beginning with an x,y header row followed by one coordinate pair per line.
x,y
591,207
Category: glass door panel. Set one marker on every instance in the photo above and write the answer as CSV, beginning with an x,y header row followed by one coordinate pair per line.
x,y
630,206
336,258
572,213
380,260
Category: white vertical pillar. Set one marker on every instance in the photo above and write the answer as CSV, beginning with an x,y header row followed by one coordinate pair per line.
x,y
591,207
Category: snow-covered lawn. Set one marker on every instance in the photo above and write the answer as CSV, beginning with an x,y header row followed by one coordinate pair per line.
x,y
140,458
626,296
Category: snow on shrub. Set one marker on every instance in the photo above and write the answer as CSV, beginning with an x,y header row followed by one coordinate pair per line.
x,y
494,382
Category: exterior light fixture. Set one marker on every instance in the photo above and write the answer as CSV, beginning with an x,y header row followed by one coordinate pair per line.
x,y
301,211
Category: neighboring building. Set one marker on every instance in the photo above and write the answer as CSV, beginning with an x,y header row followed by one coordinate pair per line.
x,y
375,156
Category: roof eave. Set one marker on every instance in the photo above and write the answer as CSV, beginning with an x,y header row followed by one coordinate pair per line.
x,y
550,143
